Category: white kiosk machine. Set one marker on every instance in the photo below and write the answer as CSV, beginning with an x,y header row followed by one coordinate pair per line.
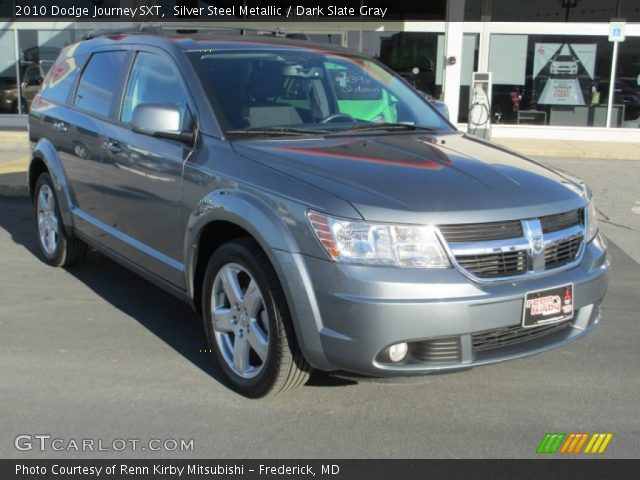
x,y
480,106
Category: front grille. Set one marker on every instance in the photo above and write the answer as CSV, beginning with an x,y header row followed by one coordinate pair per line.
x,y
439,350
510,248
562,253
561,221
505,337
495,264
481,232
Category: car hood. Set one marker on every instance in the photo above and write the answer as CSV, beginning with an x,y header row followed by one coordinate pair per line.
x,y
418,178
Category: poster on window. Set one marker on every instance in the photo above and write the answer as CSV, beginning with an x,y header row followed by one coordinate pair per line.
x,y
563,72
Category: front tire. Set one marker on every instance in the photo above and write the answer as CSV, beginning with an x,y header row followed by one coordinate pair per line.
x,y
57,246
247,322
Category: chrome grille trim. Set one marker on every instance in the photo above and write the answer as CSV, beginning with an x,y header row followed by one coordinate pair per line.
x,y
495,265
541,249
561,253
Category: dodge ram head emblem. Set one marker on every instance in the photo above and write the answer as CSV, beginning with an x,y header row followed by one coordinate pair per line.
x,y
537,244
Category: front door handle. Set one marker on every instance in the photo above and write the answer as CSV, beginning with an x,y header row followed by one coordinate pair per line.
x,y
113,147
60,127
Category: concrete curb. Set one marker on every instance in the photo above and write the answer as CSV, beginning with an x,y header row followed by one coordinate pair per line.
x,y
532,152
572,149
14,137
14,166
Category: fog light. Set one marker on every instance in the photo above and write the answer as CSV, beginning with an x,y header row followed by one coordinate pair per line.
x,y
398,351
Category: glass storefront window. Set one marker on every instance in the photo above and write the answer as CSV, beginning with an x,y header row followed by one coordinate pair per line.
x,y
627,84
419,58
469,65
414,55
330,38
8,73
558,80
562,11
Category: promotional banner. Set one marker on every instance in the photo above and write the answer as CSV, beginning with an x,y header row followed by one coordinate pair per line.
x,y
563,70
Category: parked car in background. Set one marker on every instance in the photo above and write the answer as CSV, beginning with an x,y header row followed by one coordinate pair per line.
x,y
308,232
31,82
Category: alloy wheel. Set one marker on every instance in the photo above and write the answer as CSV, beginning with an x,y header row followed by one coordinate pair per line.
x,y
240,320
48,224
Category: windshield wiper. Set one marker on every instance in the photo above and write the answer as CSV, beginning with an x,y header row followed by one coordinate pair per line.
x,y
384,126
278,131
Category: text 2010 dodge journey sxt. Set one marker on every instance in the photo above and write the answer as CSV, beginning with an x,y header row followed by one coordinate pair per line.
x,y
311,205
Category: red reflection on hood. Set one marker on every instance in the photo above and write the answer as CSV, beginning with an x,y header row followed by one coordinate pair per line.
x,y
431,164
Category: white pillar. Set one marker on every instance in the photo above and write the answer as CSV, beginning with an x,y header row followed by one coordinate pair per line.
x,y
453,50
485,37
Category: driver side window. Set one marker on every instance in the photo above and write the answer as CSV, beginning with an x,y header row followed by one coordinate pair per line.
x,y
153,80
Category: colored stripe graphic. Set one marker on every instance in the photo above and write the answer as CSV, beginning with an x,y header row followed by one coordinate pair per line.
x,y
574,443
551,442
598,443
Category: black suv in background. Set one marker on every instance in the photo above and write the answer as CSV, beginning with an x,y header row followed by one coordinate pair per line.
x,y
311,205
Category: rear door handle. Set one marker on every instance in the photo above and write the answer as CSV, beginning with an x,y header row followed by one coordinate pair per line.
x,y
113,147
60,126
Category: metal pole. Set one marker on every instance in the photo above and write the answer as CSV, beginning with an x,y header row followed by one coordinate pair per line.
x,y
612,84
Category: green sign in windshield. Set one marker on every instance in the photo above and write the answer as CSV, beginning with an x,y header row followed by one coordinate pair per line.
x,y
361,96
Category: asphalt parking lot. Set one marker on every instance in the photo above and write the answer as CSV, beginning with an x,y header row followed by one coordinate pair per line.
x,y
96,352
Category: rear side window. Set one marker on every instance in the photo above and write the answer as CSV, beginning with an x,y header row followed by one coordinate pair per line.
x,y
153,80
99,82
61,77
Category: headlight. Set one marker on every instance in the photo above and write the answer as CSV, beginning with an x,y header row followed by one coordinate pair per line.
x,y
365,243
591,220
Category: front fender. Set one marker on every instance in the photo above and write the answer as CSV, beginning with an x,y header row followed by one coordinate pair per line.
x,y
274,236
45,151
235,207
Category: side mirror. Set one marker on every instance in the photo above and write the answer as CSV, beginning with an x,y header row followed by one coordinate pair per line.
x,y
160,120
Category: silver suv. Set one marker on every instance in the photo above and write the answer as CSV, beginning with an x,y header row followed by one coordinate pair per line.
x,y
311,205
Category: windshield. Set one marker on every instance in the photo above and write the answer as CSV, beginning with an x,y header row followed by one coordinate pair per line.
x,y
303,91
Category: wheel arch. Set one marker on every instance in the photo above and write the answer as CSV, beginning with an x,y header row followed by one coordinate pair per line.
x,y
223,216
45,159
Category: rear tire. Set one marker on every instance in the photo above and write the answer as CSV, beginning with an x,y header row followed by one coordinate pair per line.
x,y
247,322
57,247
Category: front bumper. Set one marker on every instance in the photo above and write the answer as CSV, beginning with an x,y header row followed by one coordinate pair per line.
x,y
347,315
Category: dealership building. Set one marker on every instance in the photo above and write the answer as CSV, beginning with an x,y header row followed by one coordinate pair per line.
x,y
565,69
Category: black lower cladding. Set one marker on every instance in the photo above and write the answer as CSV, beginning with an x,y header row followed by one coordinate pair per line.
x,y
505,337
437,350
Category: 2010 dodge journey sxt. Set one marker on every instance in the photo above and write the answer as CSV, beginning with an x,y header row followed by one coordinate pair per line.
x,y
311,205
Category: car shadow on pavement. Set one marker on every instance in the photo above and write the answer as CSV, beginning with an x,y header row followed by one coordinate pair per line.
x,y
170,319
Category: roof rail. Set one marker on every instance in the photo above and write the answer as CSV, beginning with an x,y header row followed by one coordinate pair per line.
x,y
191,30
107,33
